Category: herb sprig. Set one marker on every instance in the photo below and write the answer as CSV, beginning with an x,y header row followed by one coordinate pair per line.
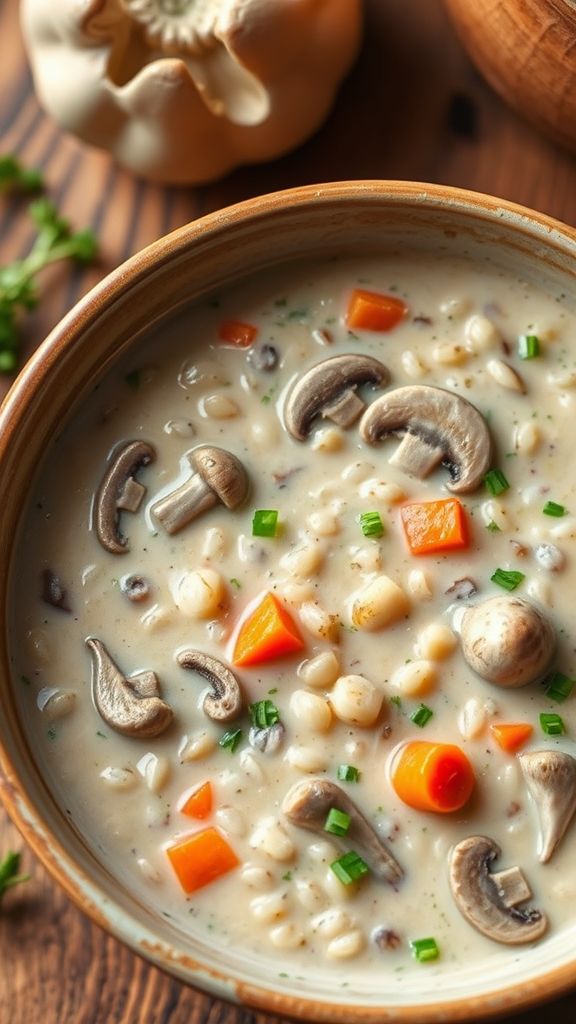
x,y
10,873
54,241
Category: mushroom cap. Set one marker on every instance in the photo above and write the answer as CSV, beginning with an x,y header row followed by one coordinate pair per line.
x,y
507,641
480,899
222,472
323,384
441,420
551,779
224,703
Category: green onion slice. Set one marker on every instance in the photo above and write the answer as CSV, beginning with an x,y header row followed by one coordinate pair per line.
x,y
424,950
230,739
552,508
349,867
421,716
348,773
337,822
265,522
509,579
371,524
559,687
493,527
528,346
552,725
264,713
496,482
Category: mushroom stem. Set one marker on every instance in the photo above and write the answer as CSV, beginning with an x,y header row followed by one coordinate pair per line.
x,y
551,779
224,703
130,706
485,901
307,805
181,506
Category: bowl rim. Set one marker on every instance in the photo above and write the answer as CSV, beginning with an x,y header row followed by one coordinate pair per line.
x,y
28,818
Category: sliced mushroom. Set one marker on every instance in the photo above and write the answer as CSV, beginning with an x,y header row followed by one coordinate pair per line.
x,y
484,899
268,739
131,706
551,779
507,641
307,805
329,390
437,426
119,491
224,704
53,592
217,476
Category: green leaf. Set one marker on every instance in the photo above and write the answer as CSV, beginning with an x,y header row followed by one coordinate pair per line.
x,y
10,873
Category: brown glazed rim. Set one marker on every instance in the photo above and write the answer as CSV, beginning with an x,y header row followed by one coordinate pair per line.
x,y
529,226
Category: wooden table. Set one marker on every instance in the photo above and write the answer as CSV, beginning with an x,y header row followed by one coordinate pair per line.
x,y
413,108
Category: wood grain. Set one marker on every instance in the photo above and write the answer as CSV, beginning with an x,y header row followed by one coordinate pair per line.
x,y
413,108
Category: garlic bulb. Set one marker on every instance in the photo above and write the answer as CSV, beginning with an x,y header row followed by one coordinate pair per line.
x,y
185,90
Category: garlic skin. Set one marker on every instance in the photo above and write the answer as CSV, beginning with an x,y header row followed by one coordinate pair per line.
x,y
182,91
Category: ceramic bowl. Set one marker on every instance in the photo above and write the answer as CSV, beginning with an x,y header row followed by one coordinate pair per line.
x,y
526,49
199,258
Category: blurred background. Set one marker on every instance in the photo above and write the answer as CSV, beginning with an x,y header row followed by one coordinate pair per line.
x,y
413,107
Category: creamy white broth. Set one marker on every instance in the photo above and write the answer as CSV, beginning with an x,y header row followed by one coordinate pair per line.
x,y
283,901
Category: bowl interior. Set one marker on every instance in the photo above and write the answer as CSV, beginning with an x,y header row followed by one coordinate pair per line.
x,y
324,221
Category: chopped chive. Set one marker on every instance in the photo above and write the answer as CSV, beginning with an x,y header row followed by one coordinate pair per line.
x,y
528,346
493,527
371,524
337,822
559,687
265,522
348,773
424,950
235,583
397,701
509,579
349,867
496,482
552,508
552,725
264,713
421,716
230,739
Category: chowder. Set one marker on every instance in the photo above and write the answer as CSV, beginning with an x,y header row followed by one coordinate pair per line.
x,y
292,636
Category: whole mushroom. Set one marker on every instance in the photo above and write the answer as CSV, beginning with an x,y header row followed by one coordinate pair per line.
x,y
507,641
437,427
218,476
329,390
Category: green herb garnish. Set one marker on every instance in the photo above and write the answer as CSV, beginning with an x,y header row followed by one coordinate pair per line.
x,y
528,346
230,740
496,482
552,724
10,873
559,687
348,773
552,508
424,950
264,713
18,291
337,822
421,716
16,178
265,522
371,524
509,579
235,583
493,527
349,867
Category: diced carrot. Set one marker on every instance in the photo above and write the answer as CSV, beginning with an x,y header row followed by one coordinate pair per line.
x,y
433,776
268,633
512,736
198,803
434,525
234,332
200,858
373,311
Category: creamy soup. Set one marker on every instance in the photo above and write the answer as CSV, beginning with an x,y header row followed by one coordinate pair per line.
x,y
350,611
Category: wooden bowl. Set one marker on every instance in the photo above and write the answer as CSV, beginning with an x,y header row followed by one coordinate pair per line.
x,y
201,257
527,51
